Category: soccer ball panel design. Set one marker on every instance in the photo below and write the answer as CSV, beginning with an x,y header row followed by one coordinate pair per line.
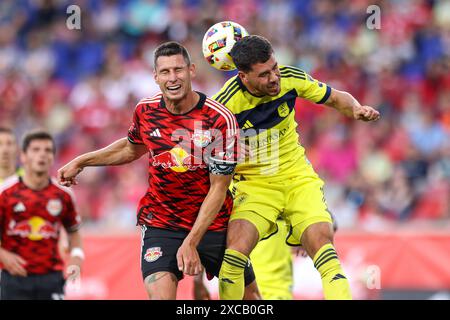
x,y
218,41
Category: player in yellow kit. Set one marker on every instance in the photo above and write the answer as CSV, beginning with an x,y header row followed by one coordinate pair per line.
x,y
275,178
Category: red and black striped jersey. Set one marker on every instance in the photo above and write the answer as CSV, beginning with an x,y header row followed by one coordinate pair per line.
x,y
184,149
31,220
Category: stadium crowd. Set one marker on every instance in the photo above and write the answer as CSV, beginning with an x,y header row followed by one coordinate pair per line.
x,y
82,85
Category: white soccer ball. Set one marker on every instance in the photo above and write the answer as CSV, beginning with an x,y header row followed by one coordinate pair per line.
x,y
218,41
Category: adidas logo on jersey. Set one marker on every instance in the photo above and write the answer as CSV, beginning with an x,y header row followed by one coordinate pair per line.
x,y
247,125
20,207
155,133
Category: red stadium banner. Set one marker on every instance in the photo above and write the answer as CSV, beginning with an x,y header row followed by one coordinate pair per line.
x,y
407,260
112,270
374,262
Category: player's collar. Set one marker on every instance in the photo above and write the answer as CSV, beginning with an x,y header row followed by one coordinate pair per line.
x,y
48,185
199,104
241,85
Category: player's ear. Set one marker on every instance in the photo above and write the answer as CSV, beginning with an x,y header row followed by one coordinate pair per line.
x,y
243,76
192,69
22,157
155,71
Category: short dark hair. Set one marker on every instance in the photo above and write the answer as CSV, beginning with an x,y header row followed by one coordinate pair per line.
x,y
6,130
249,51
36,135
171,48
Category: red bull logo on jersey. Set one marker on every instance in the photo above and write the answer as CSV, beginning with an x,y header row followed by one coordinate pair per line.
x,y
177,159
153,254
35,229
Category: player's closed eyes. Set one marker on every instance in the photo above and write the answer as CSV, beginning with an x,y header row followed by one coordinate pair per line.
x,y
166,72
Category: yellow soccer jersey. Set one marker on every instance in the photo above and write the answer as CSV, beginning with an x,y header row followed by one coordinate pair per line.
x,y
269,126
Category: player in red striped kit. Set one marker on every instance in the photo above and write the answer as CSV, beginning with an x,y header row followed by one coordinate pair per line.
x,y
33,209
192,144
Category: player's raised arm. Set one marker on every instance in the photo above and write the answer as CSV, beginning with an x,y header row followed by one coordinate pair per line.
x,y
121,151
346,104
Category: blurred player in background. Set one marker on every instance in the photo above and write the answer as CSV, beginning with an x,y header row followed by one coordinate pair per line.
x,y
273,265
192,145
8,153
278,179
32,210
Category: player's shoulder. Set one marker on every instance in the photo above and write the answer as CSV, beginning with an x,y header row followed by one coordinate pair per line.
x,y
216,106
287,71
224,113
229,90
292,75
150,101
65,191
293,78
9,183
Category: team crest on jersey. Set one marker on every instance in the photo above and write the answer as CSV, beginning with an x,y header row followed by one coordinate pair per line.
x,y
54,207
153,254
283,110
201,138
19,207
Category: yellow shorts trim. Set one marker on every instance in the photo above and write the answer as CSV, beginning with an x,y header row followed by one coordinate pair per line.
x,y
296,232
265,227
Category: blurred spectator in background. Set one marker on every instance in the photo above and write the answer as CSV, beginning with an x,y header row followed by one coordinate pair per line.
x,y
8,154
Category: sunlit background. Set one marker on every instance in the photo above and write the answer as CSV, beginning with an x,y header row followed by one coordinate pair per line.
x,y
387,183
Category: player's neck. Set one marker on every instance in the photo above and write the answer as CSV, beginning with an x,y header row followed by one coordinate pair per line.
x,y
35,181
252,90
184,105
6,172
255,92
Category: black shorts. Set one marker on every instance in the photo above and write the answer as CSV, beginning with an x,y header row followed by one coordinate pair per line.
x,y
48,286
160,246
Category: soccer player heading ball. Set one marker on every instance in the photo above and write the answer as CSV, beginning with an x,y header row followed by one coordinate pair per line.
x,y
276,179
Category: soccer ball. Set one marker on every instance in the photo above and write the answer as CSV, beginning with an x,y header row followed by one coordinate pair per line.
x,y
218,41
